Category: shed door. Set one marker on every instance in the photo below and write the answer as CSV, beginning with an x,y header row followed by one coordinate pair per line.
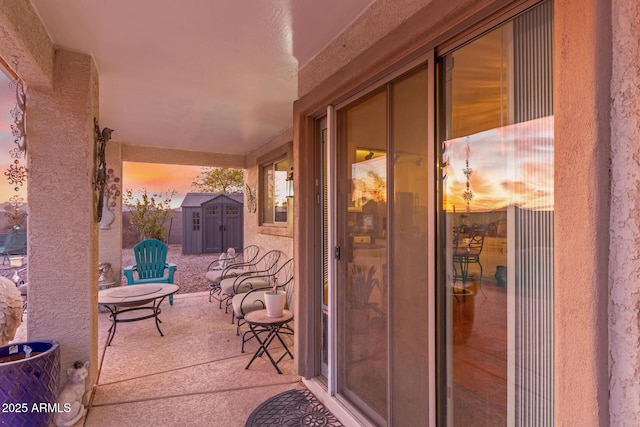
x,y
213,229
224,227
233,227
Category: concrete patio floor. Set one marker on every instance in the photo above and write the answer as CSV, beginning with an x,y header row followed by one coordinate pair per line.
x,y
192,376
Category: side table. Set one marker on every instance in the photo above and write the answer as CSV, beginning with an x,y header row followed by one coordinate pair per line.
x,y
258,322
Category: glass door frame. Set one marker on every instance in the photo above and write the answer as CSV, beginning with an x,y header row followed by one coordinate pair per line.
x,y
424,59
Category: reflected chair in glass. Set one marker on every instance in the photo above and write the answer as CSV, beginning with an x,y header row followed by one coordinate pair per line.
x,y
468,244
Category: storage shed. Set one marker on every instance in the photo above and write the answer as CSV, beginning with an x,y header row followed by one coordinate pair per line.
x,y
212,222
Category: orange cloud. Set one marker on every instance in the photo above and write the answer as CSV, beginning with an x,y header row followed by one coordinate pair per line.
x,y
159,178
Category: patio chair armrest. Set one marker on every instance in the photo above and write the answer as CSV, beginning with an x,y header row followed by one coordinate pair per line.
x,y
251,275
257,303
172,269
128,273
245,283
235,265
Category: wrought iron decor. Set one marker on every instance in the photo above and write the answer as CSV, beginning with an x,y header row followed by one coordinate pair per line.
x,y
19,114
101,138
16,173
467,194
251,199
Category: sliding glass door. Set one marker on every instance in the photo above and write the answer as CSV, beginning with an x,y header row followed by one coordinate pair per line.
x,y
362,296
437,231
496,225
383,167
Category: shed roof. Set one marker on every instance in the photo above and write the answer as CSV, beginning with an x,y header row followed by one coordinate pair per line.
x,y
194,200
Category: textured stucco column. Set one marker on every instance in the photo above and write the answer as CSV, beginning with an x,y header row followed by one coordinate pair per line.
x,y
624,263
111,238
63,237
582,73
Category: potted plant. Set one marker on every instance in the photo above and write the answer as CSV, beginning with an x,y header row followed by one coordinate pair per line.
x,y
362,284
29,375
275,300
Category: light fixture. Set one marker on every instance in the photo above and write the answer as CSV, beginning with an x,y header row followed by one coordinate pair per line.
x,y
289,182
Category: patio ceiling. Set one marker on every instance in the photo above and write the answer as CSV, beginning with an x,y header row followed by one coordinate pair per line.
x,y
206,75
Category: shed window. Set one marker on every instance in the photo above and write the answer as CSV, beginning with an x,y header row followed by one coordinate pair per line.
x,y
196,221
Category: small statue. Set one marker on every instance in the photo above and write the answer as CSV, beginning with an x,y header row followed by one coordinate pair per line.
x,y
225,259
70,401
10,310
105,270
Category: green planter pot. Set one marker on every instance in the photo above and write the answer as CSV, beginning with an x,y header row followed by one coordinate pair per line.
x,y
29,386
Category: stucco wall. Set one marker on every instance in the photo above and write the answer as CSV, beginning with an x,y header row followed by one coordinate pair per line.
x,y
63,236
380,19
582,74
132,153
266,237
624,264
25,44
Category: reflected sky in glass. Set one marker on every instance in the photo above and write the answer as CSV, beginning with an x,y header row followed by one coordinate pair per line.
x,y
511,165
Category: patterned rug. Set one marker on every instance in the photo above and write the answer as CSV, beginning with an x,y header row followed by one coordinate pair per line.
x,y
292,408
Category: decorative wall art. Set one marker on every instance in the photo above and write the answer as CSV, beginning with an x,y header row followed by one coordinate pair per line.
x,y
16,173
251,199
100,166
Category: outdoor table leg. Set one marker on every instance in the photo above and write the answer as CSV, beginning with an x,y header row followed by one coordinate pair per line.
x,y
286,349
264,344
156,311
112,329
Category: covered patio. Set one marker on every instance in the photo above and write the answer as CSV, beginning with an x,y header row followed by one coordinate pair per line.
x,y
195,372
308,90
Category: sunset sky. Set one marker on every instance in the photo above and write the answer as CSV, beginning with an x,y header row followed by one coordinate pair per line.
x,y
511,165
159,179
136,176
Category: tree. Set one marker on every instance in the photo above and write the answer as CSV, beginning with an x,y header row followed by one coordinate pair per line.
x,y
219,180
148,213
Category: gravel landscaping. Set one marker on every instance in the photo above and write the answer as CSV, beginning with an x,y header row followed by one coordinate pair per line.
x,y
189,274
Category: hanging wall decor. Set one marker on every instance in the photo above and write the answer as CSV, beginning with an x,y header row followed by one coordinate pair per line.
x,y
109,199
251,199
16,173
100,167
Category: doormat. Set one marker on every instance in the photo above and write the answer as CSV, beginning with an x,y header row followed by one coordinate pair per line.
x,y
292,408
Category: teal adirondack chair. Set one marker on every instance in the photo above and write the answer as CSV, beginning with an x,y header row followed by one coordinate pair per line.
x,y
151,263
14,244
